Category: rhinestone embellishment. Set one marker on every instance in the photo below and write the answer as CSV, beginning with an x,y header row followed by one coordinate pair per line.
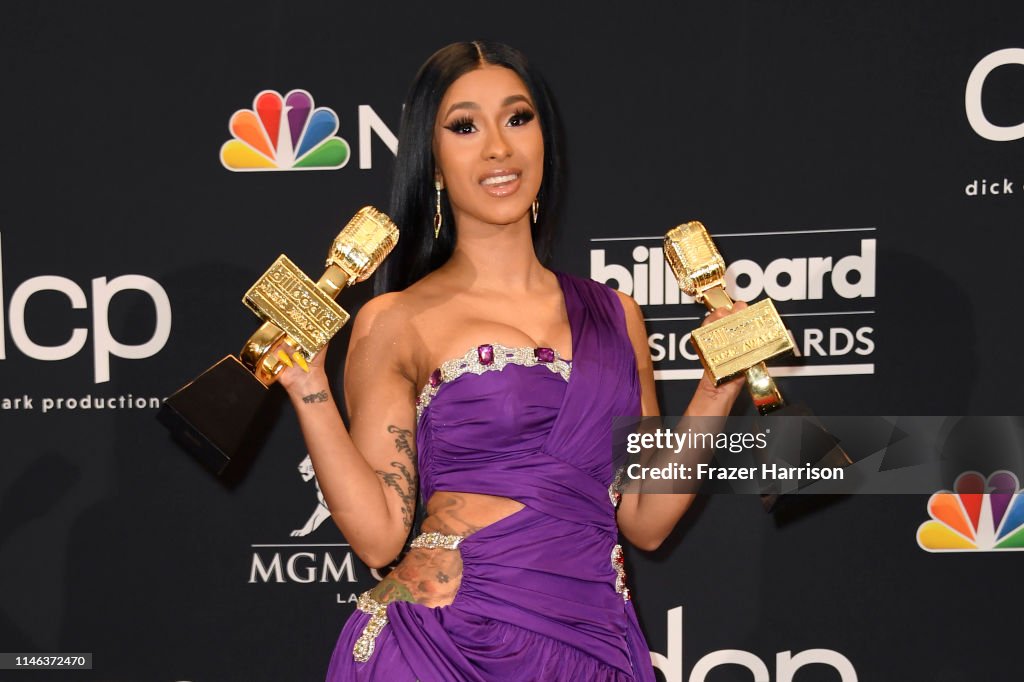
x,y
434,540
618,562
544,354
378,611
486,354
378,619
489,357
614,490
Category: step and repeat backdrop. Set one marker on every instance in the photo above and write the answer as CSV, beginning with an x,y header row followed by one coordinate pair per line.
x,y
860,163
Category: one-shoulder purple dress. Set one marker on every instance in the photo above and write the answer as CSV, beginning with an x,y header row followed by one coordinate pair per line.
x,y
543,594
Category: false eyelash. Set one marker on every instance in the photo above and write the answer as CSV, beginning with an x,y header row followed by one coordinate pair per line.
x,y
460,123
525,114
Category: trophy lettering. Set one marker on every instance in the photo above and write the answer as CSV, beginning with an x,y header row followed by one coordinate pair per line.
x,y
739,343
212,416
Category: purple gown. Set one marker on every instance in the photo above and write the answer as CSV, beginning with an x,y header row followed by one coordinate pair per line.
x,y
541,597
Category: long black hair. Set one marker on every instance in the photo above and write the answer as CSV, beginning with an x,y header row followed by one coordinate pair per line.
x,y
412,190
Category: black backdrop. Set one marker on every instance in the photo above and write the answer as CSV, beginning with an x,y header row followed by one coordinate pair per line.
x,y
794,130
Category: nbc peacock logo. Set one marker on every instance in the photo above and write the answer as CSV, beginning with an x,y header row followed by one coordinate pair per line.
x,y
986,516
282,134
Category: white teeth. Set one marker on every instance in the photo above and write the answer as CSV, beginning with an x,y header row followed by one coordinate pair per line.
x,y
498,179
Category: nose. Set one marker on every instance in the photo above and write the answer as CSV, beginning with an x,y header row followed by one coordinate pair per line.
x,y
497,146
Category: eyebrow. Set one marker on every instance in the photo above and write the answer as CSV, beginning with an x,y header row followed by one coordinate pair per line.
x,y
511,99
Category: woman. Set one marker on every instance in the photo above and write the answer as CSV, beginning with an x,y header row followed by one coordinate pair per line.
x,y
516,574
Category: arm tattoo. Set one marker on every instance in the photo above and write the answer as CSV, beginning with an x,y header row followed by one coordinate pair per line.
x,y
320,397
448,518
402,440
405,492
404,480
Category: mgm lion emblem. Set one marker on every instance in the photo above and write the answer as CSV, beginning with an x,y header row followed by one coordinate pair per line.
x,y
320,512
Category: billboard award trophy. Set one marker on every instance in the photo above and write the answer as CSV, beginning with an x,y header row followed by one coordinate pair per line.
x,y
739,343
213,416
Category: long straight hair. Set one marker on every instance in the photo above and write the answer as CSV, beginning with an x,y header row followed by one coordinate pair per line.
x,y
412,190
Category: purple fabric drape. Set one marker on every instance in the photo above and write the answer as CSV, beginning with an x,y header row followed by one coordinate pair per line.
x,y
537,599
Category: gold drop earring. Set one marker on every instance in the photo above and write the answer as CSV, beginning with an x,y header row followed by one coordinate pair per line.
x,y
437,211
535,208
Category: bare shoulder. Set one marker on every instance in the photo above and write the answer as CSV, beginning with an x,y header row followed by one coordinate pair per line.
x,y
381,331
381,313
382,317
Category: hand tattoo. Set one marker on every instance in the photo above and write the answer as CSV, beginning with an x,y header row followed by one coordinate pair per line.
x,y
431,577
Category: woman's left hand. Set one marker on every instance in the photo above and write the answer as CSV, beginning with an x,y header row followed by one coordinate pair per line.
x,y
710,399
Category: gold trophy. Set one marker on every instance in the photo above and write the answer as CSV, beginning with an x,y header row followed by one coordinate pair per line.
x,y
213,416
739,343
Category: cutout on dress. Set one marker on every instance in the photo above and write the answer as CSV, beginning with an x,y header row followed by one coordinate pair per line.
x,y
432,576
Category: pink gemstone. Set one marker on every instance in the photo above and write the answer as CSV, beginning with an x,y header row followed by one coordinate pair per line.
x,y
485,353
544,354
435,378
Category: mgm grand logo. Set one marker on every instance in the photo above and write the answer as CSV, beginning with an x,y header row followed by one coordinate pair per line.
x,y
329,561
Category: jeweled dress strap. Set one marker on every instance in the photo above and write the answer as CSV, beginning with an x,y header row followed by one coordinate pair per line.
x,y
490,357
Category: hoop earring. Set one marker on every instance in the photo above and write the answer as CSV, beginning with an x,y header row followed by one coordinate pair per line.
x,y
437,211
535,208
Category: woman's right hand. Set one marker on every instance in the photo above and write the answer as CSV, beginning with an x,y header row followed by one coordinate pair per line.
x,y
298,377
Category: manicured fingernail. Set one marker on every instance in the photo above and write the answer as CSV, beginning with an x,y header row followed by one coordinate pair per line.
x,y
283,357
302,362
